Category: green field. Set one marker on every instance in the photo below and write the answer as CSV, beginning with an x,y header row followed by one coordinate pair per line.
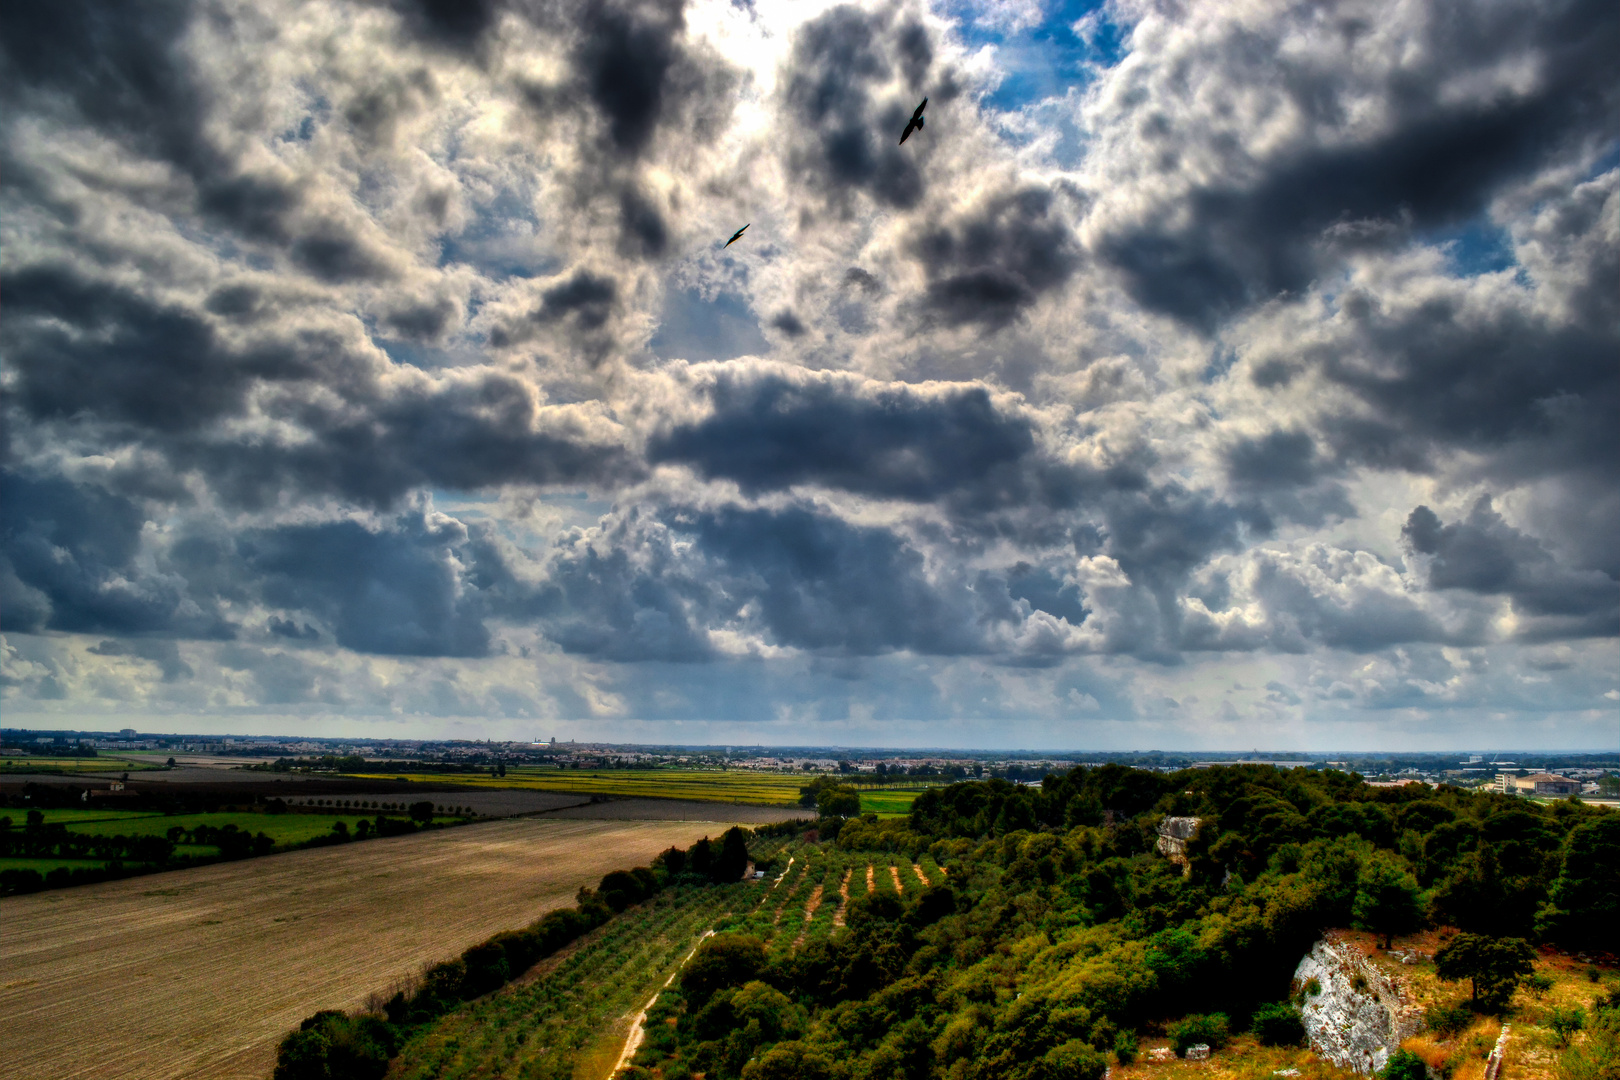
x,y
756,789
284,829
104,764
889,802
705,785
79,817
45,866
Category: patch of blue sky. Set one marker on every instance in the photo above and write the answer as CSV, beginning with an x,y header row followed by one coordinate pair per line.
x,y
1046,58
696,329
503,240
1478,247
567,510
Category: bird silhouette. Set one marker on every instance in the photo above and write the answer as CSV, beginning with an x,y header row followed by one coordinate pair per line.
x,y
915,123
734,236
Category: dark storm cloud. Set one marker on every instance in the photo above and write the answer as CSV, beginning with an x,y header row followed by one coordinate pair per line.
x,y
633,66
124,72
1276,459
840,134
396,591
87,353
1229,242
456,23
799,577
997,260
119,68
772,428
165,654
83,348
1447,374
584,300
69,561
464,434
1484,554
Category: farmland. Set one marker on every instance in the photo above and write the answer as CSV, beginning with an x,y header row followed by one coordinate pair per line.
x,y
27,763
745,787
255,946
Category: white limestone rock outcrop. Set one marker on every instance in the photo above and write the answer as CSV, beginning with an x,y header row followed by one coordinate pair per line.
x,y
1355,1014
1174,833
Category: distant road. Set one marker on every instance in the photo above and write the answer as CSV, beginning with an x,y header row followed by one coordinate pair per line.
x,y
199,973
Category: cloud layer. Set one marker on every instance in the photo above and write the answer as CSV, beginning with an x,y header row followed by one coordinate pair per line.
x,y
1251,371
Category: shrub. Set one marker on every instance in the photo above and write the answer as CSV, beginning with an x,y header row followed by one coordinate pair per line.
x,y
1404,1065
1278,1024
1192,1030
334,1046
1448,1020
1125,1047
1566,1022
1597,1057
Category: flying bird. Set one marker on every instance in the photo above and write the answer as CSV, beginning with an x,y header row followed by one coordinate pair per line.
x,y
734,236
915,123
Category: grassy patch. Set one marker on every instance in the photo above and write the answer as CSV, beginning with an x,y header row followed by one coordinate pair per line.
x,y
76,817
29,763
888,802
284,829
45,866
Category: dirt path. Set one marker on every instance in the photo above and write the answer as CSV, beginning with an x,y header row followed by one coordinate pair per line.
x,y
894,872
632,1041
871,879
199,973
843,903
809,913
922,877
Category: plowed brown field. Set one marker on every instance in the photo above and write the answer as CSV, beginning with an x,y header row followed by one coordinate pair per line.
x,y
199,973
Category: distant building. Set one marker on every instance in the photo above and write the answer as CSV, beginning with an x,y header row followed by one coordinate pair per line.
x,y
1537,784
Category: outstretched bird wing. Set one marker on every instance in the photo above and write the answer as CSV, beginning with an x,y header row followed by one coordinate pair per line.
x,y
915,122
734,236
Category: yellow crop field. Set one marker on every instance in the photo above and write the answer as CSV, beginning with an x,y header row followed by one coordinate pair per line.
x,y
200,972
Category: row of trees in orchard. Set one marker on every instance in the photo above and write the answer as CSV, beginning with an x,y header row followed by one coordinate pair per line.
x,y
334,1045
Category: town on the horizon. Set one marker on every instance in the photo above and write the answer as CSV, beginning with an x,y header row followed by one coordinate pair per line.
x,y
1528,771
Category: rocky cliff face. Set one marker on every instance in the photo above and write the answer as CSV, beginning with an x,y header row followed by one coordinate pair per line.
x,y
1174,832
1355,1014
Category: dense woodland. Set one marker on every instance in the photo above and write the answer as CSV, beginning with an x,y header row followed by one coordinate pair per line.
x,y
1058,932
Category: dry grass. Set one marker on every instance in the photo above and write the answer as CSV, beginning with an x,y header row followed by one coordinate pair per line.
x,y
1242,1059
199,973
1531,1051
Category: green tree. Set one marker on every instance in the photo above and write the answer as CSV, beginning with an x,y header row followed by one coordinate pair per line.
x,y
722,961
1404,1065
1584,908
1492,966
835,801
1386,900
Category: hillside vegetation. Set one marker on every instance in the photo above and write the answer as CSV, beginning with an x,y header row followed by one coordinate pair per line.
x,y
1004,931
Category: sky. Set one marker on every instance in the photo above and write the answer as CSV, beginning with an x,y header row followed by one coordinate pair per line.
x,y
1200,376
